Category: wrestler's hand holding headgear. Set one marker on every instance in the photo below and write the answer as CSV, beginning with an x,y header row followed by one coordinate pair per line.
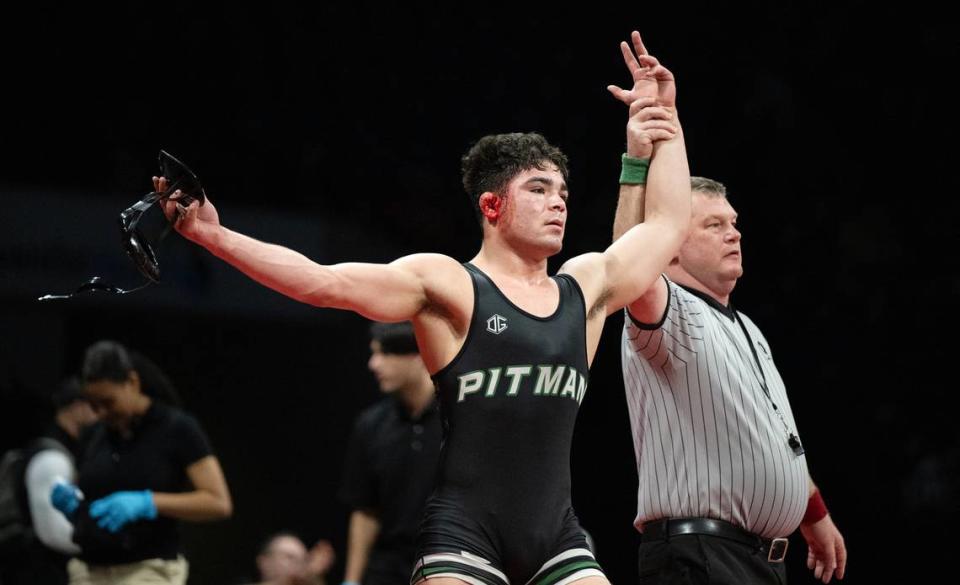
x,y
178,188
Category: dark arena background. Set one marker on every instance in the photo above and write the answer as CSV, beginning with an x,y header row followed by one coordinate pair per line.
x,y
337,129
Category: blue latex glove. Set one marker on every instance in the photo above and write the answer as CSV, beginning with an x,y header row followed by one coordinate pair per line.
x,y
115,511
66,498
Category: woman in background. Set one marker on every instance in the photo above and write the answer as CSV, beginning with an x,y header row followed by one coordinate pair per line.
x,y
148,466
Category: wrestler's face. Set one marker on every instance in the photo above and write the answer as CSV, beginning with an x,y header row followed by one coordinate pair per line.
x,y
115,402
534,213
711,253
393,370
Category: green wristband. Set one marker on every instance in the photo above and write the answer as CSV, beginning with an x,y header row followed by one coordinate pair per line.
x,y
634,170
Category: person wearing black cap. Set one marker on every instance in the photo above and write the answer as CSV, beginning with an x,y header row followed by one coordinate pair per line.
x,y
391,461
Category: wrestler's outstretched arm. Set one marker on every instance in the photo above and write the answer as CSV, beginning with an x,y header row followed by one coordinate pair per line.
x,y
614,278
392,292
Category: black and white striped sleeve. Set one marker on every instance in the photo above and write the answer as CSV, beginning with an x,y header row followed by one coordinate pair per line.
x,y
678,331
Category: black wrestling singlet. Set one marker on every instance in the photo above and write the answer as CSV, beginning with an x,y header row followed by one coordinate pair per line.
x,y
509,401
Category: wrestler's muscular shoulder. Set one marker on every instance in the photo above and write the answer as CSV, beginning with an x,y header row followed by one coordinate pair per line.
x,y
442,322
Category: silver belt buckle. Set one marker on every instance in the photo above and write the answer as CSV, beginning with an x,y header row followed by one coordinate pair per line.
x,y
778,550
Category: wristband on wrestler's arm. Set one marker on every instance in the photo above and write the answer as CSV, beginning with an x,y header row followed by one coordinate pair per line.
x,y
816,509
633,171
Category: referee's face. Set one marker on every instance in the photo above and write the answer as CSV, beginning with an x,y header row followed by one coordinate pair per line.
x,y
711,253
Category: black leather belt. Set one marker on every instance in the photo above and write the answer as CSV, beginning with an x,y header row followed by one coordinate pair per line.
x,y
775,548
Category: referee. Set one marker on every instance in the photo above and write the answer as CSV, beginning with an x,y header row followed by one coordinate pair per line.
x,y
722,475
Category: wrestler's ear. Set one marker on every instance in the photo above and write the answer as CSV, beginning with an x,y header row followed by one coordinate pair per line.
x,y
491,206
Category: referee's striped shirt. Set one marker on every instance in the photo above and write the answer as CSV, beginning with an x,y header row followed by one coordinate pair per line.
x,y
707,440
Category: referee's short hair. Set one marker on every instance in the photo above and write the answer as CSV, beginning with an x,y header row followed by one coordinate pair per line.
x,y
708,187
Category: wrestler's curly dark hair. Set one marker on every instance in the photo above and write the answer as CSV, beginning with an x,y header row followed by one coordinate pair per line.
x,y
494,160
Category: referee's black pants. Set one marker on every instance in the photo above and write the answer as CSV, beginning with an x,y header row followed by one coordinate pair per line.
x,y
694,559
